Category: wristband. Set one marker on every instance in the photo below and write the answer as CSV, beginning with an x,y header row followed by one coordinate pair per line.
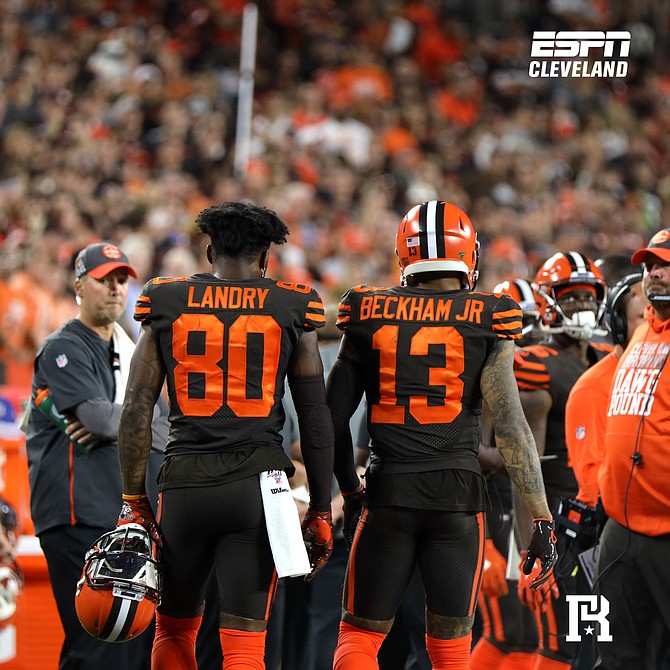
x,y
301,494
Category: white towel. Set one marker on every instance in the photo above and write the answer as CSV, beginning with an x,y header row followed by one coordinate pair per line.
x,y
283,524
513,558
123,347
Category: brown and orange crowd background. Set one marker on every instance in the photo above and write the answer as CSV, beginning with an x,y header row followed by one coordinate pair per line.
x,y
117,122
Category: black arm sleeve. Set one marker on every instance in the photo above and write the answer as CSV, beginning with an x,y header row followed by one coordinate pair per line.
x,y
316,437
343,393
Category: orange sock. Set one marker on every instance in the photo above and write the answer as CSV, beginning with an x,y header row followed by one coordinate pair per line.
x,y
486,656
357,649
242,649
174,643
544,663
449,654
519,660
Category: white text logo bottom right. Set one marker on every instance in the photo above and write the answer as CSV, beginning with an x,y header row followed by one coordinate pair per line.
x,y
588,609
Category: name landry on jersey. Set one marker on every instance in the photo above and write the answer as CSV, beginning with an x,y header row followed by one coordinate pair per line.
x,y
226,297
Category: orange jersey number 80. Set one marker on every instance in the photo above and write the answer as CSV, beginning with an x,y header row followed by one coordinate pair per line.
x,y
208,364
387,410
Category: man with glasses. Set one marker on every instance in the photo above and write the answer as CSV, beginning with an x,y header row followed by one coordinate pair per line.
x,y
571,292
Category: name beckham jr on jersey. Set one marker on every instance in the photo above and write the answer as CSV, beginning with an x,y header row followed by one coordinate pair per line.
x,y
635,381
417,309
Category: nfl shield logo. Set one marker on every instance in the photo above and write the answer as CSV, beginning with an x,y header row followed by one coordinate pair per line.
x,y
61,360
580,432
276,475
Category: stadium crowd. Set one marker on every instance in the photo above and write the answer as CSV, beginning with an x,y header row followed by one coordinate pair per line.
x,y
117,122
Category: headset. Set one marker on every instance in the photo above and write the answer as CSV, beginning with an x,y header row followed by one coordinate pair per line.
x,y
616,318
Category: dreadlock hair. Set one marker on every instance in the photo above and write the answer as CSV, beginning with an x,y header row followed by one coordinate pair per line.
x,y
240,229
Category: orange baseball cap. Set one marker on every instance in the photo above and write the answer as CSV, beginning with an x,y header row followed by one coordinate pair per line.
x,y
659,245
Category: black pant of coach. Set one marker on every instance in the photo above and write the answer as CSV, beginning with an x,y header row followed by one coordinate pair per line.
x,y
634,577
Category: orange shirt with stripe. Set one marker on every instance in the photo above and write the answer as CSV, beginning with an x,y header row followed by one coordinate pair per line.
x,y
639,417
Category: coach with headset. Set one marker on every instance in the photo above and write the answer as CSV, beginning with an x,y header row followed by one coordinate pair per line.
x,y
634,482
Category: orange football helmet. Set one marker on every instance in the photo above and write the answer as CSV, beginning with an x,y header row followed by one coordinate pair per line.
x,y
437,237
119,589
526,297
559,274
522,292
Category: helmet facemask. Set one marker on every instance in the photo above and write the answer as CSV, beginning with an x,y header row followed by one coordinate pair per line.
x,y
564,273
582,325
125,560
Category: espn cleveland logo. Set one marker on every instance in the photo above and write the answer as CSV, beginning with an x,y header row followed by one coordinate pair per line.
x,y
560,53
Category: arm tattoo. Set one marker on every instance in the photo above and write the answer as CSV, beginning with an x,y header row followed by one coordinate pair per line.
x,y
513,436
145,381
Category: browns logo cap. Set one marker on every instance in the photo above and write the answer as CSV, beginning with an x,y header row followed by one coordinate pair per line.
x,y
659,245
98,260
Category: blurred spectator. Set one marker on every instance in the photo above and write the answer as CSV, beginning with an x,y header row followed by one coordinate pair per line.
x,y
118,122
122,121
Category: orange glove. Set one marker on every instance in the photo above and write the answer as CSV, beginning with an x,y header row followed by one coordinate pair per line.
x,y
317,531
494,583
136,509
535,597
546,592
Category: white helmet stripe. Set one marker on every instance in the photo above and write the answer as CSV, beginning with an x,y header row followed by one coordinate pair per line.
x,y
578,262
526,292
431,228
121,619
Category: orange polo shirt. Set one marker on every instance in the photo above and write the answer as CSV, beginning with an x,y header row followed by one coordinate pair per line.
x,y
639,416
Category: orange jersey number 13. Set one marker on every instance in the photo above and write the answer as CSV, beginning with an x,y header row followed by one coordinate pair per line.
x,y
387,410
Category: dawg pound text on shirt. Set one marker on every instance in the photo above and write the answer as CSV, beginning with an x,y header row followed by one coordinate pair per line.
x,y
635,381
